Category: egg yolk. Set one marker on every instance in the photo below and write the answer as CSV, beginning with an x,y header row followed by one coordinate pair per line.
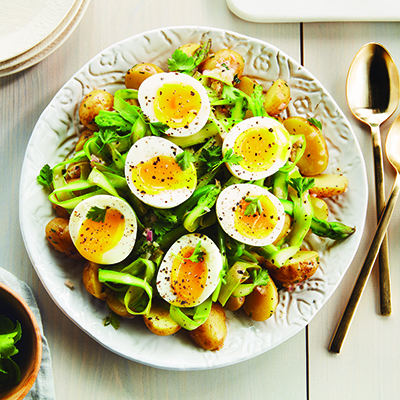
x,y
188,278
96,238
176,105
161,173
256,225
260,148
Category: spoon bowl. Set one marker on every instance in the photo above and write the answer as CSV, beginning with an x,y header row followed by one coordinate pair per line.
x,y
393,155
372,90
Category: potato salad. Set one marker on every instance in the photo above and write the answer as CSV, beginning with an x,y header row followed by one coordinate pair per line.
x,y
190,194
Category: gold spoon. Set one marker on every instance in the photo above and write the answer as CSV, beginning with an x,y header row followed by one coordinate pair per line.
x,y
372,90
393,155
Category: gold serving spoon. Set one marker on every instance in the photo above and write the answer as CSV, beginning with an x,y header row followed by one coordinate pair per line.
x,y
372,90
393,155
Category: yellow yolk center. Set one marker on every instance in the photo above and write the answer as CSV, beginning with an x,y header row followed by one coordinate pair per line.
x,y
259,148
161,173
256,225
176,104
96,238
188,278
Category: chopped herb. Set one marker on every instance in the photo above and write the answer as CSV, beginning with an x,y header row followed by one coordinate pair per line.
x,y
213,157
97,214
315,122
181,62
197,255
253,206
184,159
45,177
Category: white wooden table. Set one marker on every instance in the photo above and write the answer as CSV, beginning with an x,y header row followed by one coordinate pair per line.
x,y
302,367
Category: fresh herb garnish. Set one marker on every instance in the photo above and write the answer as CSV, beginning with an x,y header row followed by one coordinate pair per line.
x,y
10,334
97,214
181,62
213,157
197,255
315,122
301,185
45,177
184,159
253,206
112,319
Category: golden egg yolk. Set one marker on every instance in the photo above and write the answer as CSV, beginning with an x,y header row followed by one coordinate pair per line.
x,y
96,238
176,104
188,278
161,173
256,225
260,148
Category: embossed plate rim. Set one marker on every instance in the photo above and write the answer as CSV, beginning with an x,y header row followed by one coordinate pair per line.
x,y
56,129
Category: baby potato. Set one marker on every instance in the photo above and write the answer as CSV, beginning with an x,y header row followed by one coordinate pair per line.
x,y
138,73
60,211
159,321
328,185
90,277
189,49
117,306
57,233
299,268
225,65
316,157
91,105
246,85
277,97
261,303
320,208
211,335
234,303
85,135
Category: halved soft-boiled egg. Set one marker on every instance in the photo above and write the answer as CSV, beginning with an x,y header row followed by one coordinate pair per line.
x,y
154,175
264,145
177,100
190,271
250,214
103,229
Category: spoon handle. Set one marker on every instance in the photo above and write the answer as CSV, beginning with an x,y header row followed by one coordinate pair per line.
x,y
384,273
349,312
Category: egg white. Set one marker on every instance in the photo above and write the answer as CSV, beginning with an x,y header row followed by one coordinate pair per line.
x,y
122,249
148,90
145,149
213,260
282,137
231,197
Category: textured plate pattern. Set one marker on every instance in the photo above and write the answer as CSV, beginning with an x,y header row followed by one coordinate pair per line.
x,y
54,137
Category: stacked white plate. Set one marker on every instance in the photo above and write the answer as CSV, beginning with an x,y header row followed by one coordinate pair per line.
x,y
30,30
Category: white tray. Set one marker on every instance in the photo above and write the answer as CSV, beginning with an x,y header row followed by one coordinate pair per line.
x,y
315,10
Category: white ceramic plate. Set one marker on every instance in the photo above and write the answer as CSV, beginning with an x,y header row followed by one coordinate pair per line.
x,y
316,10
54,137
49,44
25,23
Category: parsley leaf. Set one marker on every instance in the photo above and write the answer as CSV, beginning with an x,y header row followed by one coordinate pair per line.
x,y
184,159
45,177
197,255
301,185
260,277
166,221
181,62
213,157
97,214
315,122
158,128
253,206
